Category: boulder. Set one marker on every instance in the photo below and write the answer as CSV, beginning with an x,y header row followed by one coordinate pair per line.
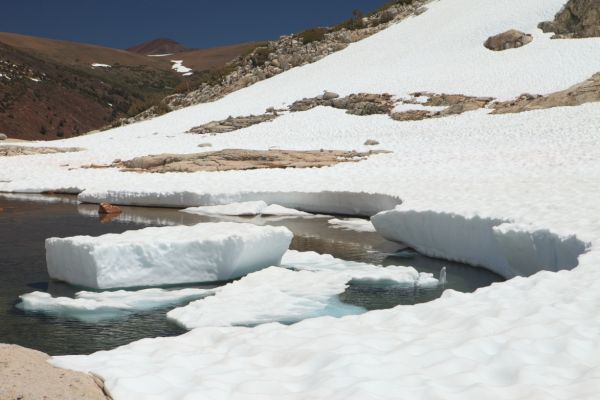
x,y
508,40
3,136
371,142
107,208
577,19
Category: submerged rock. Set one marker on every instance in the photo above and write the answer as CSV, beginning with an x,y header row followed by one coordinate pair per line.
x,y
26,374
107,208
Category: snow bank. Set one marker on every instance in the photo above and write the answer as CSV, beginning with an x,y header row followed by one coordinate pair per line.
x,y
167,255
325,202
504,248
248,208
353,224
94,306
182,69
308,288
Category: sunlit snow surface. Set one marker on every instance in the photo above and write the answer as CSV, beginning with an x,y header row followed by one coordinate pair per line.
x,y
528,338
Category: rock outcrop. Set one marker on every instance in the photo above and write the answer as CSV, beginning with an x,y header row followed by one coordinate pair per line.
x,y
7,151
585,92
26,374
455,104
510,39
232,124
577,19
238,159
357,104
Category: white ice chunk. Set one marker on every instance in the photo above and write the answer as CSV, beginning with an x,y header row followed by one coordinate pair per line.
x,y
168,255
356,271
98,65
277,210
96,306
246,208
352,224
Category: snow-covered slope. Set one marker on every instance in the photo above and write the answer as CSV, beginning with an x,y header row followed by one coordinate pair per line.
x,y
528,338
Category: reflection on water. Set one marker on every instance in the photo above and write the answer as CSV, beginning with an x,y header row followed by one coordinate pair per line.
x,y
25,224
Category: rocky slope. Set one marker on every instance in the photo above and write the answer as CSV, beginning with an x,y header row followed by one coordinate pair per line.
x,y
52,89
577,19
275,57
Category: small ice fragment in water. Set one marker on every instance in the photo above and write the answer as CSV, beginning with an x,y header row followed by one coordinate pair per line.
x,y
442,278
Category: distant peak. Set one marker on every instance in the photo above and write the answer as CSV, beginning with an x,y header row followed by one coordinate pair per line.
x,y
158,46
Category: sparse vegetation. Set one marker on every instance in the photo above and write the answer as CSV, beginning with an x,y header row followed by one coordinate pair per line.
x,y
312,35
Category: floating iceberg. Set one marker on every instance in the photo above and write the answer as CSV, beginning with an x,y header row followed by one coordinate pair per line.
x,y
352,224
96,306
247,208
205,252
308,286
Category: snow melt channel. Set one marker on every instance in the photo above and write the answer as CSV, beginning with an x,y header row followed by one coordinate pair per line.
x,y
505,248
204,252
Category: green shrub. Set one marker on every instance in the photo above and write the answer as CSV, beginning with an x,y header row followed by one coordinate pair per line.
x,y
312,35
260,55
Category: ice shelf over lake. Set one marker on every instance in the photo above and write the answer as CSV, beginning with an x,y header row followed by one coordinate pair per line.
x,y
204,252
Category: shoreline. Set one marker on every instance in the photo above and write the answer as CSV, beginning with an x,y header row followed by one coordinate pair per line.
x,y
26,374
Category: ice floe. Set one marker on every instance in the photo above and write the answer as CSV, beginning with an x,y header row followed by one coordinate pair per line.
x,y
352,224
248,208
306,286
167,255
97,306
274,294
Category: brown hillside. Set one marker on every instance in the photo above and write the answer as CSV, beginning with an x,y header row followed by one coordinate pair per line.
x,y
158,46
50,90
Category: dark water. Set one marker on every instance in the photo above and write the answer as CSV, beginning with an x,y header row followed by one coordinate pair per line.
x,y
25,224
